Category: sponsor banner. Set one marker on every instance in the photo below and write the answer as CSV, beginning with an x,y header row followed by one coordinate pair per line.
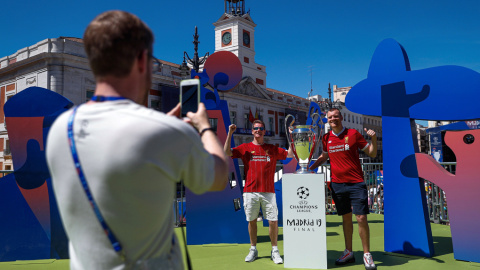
x,y
436,146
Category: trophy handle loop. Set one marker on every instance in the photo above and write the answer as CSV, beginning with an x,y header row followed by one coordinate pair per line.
x,y
314,124
287,129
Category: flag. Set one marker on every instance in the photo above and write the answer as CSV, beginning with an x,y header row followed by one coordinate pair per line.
x,y
256,114
250,116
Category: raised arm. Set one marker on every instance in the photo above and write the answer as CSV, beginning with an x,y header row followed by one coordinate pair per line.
x,y
227,147
371,150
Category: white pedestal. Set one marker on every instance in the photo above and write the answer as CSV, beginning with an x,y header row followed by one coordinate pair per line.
x,y
304,224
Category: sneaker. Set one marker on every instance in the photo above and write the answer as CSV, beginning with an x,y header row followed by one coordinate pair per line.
x,y
252,255
368,261
276,258
347,257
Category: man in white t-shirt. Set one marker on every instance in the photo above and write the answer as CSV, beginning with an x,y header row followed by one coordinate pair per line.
x,y
132,157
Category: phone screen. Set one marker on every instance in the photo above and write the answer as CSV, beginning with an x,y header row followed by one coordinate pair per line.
x,y
189,99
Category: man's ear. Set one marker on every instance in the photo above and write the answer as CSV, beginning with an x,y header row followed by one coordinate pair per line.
x,y
143,61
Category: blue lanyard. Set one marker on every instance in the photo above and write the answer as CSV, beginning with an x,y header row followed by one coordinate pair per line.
x,y
115,243
104,98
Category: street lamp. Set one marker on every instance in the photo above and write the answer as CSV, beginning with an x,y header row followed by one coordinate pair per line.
x,y
196,62
327,104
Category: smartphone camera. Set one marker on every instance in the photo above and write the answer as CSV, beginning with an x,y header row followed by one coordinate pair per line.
x,y
189,95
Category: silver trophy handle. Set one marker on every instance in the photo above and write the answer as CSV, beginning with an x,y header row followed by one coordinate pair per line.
x,y
313,120
314,124
287,129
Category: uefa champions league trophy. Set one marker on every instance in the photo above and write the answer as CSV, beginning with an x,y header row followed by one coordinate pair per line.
x,y
303,140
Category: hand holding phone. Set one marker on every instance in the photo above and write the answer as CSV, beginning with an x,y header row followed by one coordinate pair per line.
x,y
189,96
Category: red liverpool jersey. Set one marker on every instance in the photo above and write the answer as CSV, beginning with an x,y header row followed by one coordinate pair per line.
x,y
259,163
343,154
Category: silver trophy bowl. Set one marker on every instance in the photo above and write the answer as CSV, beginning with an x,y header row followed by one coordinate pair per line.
x,y
303,140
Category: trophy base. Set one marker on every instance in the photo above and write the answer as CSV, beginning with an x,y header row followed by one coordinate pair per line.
x,y
304,171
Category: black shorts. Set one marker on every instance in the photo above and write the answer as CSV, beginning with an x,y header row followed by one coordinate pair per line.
x,y
348,195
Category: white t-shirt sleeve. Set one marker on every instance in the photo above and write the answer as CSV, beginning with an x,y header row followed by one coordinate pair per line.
x,y
199,171
185,157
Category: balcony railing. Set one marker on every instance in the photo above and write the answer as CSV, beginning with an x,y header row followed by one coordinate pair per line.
x,y
4,173
249,132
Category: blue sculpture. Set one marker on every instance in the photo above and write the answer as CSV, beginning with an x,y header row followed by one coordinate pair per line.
x,y
399,95
218,217
30,224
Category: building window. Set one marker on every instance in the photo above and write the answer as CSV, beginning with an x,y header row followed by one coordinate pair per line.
x,y
247,123
270,123
282,127
259,81
233,118
246,60
6,151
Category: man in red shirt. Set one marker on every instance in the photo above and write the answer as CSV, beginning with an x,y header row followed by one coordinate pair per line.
x,y
348,187
259,161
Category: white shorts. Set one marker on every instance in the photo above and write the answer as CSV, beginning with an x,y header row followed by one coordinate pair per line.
x,y
252,202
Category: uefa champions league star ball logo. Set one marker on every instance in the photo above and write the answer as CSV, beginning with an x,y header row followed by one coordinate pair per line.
x,y
303,193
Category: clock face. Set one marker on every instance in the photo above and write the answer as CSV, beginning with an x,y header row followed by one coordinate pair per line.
x,y
246,38
226,38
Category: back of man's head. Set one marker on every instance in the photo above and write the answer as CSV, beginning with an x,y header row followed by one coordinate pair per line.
x,y
113,40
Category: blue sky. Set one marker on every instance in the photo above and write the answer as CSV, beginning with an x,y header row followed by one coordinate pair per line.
x,y
333,39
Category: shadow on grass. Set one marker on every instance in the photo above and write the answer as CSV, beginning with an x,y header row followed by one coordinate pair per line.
x,y
266,238
442,245
382,259
334,224
339,224
395,259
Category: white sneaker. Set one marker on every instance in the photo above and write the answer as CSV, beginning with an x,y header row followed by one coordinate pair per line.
x,y
276,258
252,255
368,261
347,257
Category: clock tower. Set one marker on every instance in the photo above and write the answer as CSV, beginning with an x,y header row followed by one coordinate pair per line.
x,y
235,32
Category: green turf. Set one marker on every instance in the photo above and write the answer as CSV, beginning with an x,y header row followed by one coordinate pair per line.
x,y
232,256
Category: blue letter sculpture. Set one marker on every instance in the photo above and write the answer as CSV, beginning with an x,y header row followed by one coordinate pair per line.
x,y
217,217
30,225
399,96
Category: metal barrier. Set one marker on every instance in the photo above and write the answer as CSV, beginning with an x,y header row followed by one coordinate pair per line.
x,y
436,199
373,176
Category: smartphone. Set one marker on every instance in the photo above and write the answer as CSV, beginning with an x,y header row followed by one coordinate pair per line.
x,y
189,95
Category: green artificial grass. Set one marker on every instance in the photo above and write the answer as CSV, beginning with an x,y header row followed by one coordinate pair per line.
x,y
232,256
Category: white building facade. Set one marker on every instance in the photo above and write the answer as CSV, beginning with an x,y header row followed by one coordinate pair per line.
x,y
61,65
